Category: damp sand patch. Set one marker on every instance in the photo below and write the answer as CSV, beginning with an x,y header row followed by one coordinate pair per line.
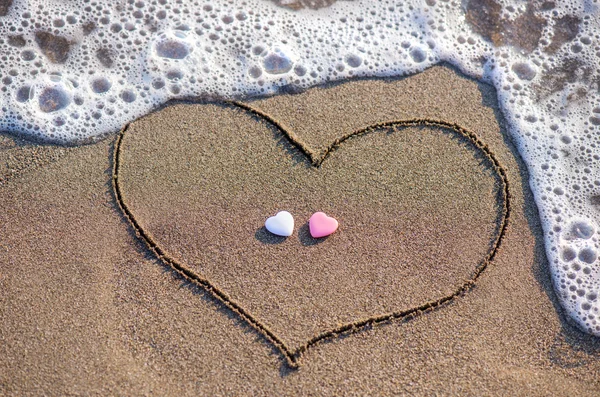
x,y
86,307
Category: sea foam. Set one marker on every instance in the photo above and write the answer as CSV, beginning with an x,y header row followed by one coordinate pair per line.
x,y
72,72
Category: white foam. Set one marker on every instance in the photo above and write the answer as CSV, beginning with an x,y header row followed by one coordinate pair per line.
x,y
127,58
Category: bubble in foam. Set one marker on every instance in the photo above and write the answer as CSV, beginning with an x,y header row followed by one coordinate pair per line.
x,y
568,254
27,55
128,96
353,60
587,255
255,72
100,85
582,230
277,61
174,74
158,84
172,46
53,98
105,57
418,55
24,93
524,70
300,70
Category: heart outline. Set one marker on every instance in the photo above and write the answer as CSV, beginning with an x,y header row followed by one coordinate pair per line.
x,y
293,356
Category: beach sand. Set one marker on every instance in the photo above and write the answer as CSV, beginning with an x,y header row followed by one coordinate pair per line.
x,y
87,308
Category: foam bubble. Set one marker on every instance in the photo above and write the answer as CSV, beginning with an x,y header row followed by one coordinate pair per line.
x,y
277,61
53,98
524,71
128,96
418,55
582,229
24,93
353,60
172,46
100,85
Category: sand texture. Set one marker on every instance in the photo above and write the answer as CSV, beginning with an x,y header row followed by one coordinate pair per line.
x,y
86,308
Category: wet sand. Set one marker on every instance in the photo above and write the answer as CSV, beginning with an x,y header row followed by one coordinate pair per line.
x,y
87,308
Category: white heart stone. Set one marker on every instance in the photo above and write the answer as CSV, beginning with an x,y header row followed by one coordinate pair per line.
x,y
281,224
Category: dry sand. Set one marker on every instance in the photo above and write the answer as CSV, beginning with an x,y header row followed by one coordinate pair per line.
x,y
86,308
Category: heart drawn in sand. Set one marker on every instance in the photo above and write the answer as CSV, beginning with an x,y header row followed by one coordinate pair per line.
x,y
321,225
416,233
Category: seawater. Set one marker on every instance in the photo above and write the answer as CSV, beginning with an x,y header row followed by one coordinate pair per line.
x,y
75,71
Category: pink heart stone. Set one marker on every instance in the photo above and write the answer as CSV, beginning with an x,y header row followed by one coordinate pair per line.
x,y
321,225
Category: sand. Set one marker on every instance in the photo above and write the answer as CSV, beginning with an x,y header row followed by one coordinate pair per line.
x,y
87,308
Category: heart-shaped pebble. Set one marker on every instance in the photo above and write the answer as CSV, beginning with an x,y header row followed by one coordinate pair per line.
x,y
281,224
321,225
